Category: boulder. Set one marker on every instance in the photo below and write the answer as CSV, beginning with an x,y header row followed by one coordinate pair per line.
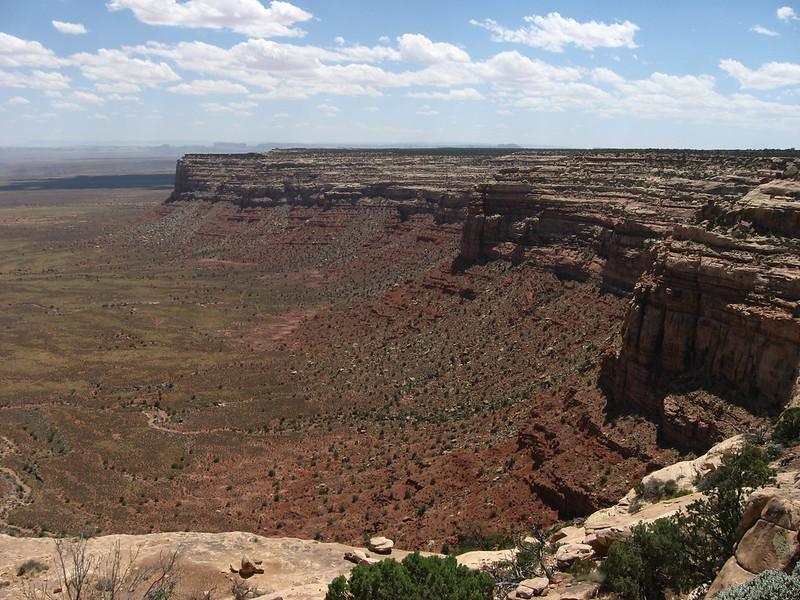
x,y
359,557
380,545
769,534
569,534
729,576
530,588
767,546
569,553
579,591
248,568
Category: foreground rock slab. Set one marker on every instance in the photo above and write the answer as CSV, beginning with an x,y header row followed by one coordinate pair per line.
x,y
293,569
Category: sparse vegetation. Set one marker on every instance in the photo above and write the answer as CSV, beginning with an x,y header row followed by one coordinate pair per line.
x,y
31,566
415,578
787,429
81,575
687,550
768,585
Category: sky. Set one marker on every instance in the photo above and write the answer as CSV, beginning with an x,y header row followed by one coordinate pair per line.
x,y
576,73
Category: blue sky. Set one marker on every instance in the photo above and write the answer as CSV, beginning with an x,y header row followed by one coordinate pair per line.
x,y
638,73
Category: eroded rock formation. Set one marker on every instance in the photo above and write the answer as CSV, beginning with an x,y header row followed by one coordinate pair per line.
x,y
424,181
706,243
717,309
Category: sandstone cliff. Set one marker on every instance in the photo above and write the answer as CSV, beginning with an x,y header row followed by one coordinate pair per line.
x,y
424,181
717,310
706,244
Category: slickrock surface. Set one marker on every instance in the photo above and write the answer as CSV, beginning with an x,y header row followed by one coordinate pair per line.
x,y
294,569
424,181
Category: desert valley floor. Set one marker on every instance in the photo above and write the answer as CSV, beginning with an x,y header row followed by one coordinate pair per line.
x,y
328,372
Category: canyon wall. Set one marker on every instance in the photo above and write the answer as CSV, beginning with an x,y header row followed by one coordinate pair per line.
x,y
704,244
440,182
707,246
717,309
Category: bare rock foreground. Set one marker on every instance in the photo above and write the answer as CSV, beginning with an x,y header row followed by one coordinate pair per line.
x,y
294,569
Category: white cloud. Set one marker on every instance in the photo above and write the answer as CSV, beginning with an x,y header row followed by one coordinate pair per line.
x,y
767,76
116,66
274,70
553,32
293,71
281,116
18,101
118,88
16,52
240,109
204,87
329,110
462,94
416,48
38,80
427,111
69,28
603,75
248,17
764,31
87,97
339,40
787,13
122,98
373,109
67,106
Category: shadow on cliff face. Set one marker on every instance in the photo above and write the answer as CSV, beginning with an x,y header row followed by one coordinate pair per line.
x,y
692,410
154,181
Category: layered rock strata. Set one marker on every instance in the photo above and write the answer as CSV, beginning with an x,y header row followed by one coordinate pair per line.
x,y
423,181
717,309
705,243
587,214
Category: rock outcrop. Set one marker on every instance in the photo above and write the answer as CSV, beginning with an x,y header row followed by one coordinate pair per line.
x,y
769,534
646,503
424,181
705,243
288,568
716,310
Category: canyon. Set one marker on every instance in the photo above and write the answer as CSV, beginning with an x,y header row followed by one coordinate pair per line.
x,y
703,244
445,346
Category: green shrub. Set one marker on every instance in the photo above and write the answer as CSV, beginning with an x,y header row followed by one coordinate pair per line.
x,y
689,549
787,429
709,525
648,564
478,537
767,585
416,578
